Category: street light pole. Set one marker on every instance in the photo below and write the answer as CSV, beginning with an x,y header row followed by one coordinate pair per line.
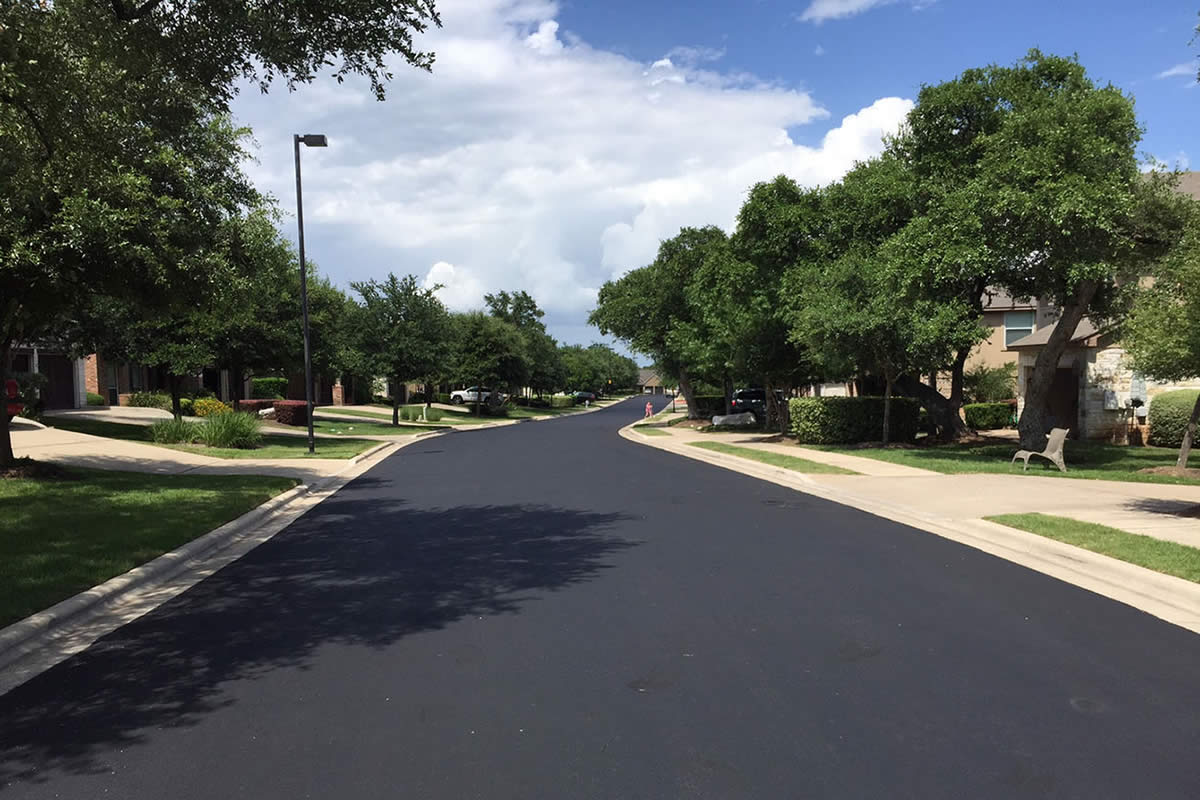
x,y
309,140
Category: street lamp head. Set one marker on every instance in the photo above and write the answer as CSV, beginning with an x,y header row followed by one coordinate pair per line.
x,y
314,140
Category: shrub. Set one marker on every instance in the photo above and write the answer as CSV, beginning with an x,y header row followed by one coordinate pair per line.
x,y
268,388
849,420
561,402
150,400
983,384
709,405
208,406
1168,417
94,399
988,416
187,406
413,414
416,397
31,392
442,398
254,406
237,430
174,431
539,402
291,412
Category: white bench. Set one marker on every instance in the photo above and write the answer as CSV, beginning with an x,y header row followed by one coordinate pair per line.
x,y
1053,452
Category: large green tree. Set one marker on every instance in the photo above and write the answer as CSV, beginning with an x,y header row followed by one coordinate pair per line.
x,y
403,331
1162,332
648,308
490,352
521,310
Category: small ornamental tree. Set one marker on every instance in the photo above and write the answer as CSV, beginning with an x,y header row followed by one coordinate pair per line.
x,y
1162,333
403,331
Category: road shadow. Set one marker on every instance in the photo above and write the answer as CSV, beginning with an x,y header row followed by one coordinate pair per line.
x,y
1172,508
359,570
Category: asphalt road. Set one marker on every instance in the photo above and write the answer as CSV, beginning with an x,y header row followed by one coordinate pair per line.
x,y
549,611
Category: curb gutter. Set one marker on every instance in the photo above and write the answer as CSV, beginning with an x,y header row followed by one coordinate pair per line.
x,y
24,638
1172,599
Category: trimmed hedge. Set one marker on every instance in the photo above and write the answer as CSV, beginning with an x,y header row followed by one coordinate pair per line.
x,y
207,406
987,416
416,397
562,402
291,412
850,420
255,406
268,388
94,399
186,406
150,400
442,398
1168,417
709,405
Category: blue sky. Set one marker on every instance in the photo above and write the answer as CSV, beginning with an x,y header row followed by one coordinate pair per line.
x,y
557,143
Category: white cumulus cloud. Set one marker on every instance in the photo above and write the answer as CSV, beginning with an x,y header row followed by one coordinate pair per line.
x,y
819,11
531,160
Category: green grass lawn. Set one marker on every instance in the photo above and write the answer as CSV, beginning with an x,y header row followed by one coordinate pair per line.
x,y
61,537
448,417
273,445
352,427
649,431
1093,460
1145,551
774,459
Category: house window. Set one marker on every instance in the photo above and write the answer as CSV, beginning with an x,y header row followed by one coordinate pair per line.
x,y
1017,325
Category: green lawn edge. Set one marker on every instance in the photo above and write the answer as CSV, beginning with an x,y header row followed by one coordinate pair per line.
x,y
1169,558
62,537
274,446
1086,460
647,430
794,463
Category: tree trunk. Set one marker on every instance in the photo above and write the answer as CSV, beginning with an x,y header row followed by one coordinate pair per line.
x,y
887,408
236,379
1189,436
429,395
176,409
689,395
770,405
727,386
396,404
478,397
6,451
1035,418
945,417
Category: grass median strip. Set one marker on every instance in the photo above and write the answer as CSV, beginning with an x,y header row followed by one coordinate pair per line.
x,y
61,537
1169,558
793,463
273,446
649,431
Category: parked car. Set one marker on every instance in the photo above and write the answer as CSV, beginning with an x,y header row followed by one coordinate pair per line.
x,y
470,395
581,397
753,401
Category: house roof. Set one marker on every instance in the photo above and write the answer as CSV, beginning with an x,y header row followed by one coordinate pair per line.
x,y
996,299
648,377
1084,331
1189,184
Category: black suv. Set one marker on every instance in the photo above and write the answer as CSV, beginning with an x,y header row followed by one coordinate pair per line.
x,y
753,401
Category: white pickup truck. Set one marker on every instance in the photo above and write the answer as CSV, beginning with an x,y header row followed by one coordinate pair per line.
x,y
470,395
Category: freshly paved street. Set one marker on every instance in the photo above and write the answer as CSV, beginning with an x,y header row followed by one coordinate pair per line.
x,y
550,611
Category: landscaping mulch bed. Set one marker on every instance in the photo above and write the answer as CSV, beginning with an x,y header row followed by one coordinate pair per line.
x,y
38,470
1190,472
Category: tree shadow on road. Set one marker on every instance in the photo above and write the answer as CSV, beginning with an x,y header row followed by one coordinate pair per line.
x,y
357,570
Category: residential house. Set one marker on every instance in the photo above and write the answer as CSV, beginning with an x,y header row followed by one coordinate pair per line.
x,y
649,381
1095,392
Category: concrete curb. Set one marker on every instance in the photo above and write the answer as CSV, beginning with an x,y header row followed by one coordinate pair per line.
x,y
1169,598
18,639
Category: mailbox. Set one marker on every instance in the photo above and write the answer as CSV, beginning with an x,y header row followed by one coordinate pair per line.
x,y
11,394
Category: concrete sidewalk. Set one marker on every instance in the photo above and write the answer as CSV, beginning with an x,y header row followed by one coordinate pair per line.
x,y
95,452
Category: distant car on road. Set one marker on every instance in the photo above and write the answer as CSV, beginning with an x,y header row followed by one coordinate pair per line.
x,y
470,395
581,397
752,401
